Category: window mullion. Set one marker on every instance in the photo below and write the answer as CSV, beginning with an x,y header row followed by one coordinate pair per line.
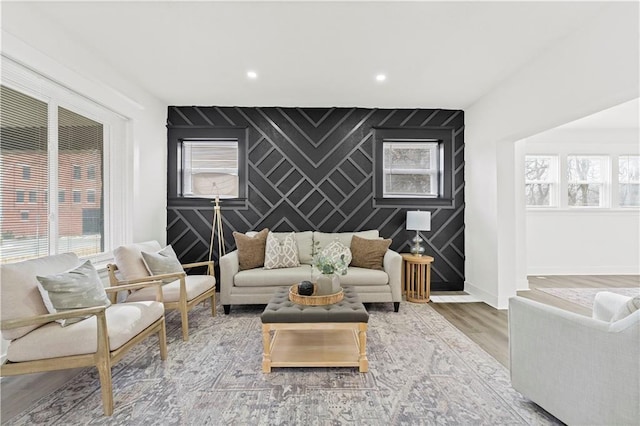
x,y
52,145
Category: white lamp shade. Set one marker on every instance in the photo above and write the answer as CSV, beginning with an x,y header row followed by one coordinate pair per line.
x,y
419,221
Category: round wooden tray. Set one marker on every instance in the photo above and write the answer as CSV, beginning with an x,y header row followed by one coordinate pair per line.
x,y
313,300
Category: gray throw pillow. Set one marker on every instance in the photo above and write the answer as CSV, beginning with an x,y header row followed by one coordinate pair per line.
x,y
162,262
75,289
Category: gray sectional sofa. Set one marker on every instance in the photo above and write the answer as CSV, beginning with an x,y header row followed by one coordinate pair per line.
x,y
256,286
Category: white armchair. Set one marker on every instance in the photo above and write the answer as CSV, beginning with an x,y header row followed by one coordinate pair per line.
x,y
582,370
38,343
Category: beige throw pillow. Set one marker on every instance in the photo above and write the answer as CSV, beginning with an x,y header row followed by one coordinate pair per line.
x,y
335,250
281,252
627,309
368,253
251,249
75,289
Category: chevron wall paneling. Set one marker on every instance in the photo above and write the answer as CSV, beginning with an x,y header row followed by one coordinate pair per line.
x,y
313,169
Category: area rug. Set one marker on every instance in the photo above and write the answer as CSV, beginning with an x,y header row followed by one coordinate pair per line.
x,y
586,296
422,370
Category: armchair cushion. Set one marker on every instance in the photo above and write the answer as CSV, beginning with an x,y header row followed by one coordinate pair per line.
x,y
195,286
124,321
162,262
20,295
129,259
78,288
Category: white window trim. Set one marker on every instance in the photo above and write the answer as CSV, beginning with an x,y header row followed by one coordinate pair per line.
x,y
433,171
604,182
187,170
117,204
554,180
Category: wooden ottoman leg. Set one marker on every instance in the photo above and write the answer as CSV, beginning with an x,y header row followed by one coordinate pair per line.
x,y
362,343
266,349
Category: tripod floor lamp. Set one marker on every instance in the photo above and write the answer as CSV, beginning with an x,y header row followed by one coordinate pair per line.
x,y
216,227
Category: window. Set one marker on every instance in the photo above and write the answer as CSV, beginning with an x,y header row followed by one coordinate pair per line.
x,y
77,172
541,180
210,168
629,180
91,196
586,180
413,167
91,172
25,145
206,162
410,169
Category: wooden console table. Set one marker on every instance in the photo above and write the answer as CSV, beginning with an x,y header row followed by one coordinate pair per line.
x,y
416,277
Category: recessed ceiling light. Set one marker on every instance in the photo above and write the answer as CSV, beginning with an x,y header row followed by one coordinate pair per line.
x,y
381,77
252,75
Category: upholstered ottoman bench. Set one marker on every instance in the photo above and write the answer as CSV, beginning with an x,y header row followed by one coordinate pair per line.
x,y
315,336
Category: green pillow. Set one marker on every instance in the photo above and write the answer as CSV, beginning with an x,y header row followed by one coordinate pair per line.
x,y
75,289
162,262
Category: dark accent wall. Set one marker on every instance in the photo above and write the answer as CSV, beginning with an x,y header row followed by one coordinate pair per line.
x,y
312,169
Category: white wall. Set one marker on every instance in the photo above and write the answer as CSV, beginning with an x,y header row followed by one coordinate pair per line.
x,y
564,241
592,69
31,39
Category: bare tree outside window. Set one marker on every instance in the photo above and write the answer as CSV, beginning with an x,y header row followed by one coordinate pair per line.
x,y
541,177
586,180
629,180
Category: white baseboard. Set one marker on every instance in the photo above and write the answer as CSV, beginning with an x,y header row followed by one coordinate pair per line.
x,y
489,299
584,270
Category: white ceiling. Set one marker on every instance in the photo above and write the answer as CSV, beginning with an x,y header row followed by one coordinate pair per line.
x,y
435,54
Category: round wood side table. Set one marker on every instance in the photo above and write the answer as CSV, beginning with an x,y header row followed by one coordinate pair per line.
x,y
417,277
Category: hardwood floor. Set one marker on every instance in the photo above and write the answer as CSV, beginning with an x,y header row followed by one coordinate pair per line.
x,y
488,326
480,322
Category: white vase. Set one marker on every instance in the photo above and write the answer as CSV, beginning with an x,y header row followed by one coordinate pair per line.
x,y
327,284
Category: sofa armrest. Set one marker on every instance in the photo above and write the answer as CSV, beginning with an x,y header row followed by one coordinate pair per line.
x,y
606,304
392,264
582,370
229,267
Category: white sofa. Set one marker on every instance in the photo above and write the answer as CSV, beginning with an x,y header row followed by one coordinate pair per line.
x,y
582,370
256,286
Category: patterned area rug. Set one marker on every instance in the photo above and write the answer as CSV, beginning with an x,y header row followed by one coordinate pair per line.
x,y
586,296
422,370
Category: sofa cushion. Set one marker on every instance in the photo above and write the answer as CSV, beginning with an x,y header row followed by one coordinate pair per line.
x,y
75,289
304,242
281,252
321,239
195,284
362,276
335,251
272,277
124,321
20,295
162,262
368,253
129,259
251,249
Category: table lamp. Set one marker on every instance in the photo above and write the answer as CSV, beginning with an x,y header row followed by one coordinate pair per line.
x,y
418,221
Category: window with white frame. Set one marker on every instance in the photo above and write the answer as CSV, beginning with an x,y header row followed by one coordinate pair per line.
x,y
210,168
587,180
410,169
49,131
629,180
541,180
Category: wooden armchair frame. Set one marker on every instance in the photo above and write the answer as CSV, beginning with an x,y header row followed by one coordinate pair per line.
x,y
102,359
183,305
